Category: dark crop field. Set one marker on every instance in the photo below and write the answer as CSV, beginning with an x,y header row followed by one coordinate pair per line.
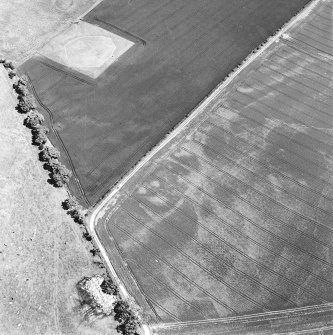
x,y
234,216
184,48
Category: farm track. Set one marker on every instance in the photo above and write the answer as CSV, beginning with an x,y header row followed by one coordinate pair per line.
x,y
243,323
67,73
76,178
129,268
237,208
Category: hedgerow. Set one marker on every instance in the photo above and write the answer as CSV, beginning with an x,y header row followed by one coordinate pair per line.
x,y
26,103
127,313
34,119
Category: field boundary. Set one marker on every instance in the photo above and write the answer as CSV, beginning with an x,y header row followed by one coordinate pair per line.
x,y
199,109
121,32
288,313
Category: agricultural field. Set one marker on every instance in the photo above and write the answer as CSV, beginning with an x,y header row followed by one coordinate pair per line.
x,y
234,215
106,122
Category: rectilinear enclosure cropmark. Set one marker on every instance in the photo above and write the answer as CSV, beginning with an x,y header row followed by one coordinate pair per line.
x,y
86,48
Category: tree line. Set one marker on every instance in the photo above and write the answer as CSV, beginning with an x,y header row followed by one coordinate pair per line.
x,y
126,312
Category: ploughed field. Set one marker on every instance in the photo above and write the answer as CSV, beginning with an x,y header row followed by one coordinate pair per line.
x,y
234,215
183,49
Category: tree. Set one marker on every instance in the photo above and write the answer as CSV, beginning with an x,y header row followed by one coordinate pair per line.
x,y
109,287
49,153
39,135
60,175
128,318
121,310
70,203
23,80
130,327
9,65
94,251
87,236
26,103
77,215
12,74
34,119
21,89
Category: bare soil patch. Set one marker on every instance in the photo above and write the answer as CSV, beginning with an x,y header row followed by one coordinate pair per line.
x,y
86,48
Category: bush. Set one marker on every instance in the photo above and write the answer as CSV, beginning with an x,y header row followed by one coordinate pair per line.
x,y
33,120
49,153
121,310
129,327
127,317
109,287
94,252
2,60
51,164
23,80
87,236
8,65
21,89
77,216
60,175
70,203
26,103
39,135
12,74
